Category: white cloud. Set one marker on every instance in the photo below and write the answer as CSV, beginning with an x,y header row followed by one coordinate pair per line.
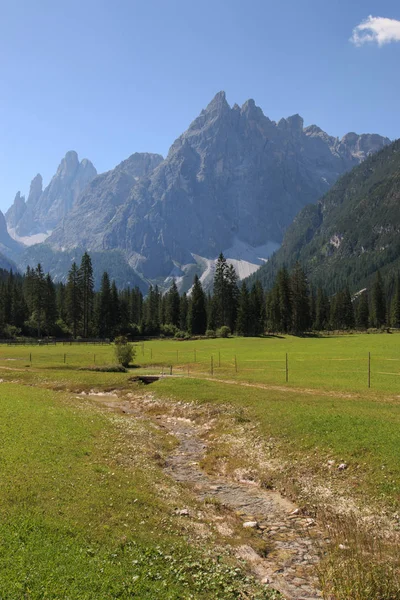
x,y
379,30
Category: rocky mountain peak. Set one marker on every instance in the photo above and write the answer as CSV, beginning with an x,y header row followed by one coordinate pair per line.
x,y
218,104
35,189
16,210
45,208
251,110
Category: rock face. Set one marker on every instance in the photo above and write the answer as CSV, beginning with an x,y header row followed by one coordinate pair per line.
x,y
8,245
45,209
16,210
233,178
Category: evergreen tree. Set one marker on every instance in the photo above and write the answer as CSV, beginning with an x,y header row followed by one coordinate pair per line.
x,y
220,293
211,312
243,324
300,304
61,302
50,305
257,309
363,311
183,312
197,316
283,312
378,302
232,297
73,300
86,284
38,297
172,316
105,320
115,311
136,306
348,320
322,310
395,305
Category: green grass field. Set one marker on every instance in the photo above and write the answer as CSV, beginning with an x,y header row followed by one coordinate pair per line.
x,y
84,509
330,363
69,526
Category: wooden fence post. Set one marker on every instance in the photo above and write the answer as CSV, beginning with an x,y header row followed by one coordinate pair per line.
x,y
212,366
369,369
287,369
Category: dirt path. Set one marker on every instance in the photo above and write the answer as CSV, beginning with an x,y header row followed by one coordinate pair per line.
x,y
289,566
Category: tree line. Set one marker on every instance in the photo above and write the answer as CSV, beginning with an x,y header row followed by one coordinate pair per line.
x,y
34,305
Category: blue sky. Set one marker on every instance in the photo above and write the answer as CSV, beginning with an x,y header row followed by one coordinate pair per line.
x,y
111,77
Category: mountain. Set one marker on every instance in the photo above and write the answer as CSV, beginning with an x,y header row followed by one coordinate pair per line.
x,y
8,246
233,182
45,209
351,232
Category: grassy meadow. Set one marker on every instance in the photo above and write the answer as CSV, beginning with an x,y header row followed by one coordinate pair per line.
x,y
80,520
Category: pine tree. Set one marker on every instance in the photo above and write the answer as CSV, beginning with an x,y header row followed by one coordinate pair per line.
x,y
172,315
220,292
197,315
257,309
183,312
73,300
232,297
363,311
243,323
86,284
50,305
395,305
61,302
283,301
226,294
136,306
115,311
300,304
378,302
322,311
38,297
105,308
347,310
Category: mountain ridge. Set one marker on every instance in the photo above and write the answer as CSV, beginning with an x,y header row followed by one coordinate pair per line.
x,y
351,232
234,175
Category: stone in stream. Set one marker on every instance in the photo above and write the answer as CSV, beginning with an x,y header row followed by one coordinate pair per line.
x,y
250,524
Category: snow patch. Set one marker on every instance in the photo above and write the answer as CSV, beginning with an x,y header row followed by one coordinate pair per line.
x,y
29,240
245,258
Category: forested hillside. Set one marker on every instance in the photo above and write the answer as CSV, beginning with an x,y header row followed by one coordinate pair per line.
x,y
351,233
33,305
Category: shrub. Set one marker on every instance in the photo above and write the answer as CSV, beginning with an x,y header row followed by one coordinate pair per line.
x,y
124,352
210,333
180,334
168,330
223,332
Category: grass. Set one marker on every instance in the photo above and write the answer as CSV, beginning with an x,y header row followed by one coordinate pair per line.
x,y
331,362
325,412
82,511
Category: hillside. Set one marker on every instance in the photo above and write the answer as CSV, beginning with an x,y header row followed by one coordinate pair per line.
x,y
351,232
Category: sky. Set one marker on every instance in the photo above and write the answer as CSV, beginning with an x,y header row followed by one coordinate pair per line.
x,y
111,77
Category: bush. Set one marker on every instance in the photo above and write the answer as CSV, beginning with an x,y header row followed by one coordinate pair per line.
x,y
223,332
124,352
210,333
180,334
168,330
